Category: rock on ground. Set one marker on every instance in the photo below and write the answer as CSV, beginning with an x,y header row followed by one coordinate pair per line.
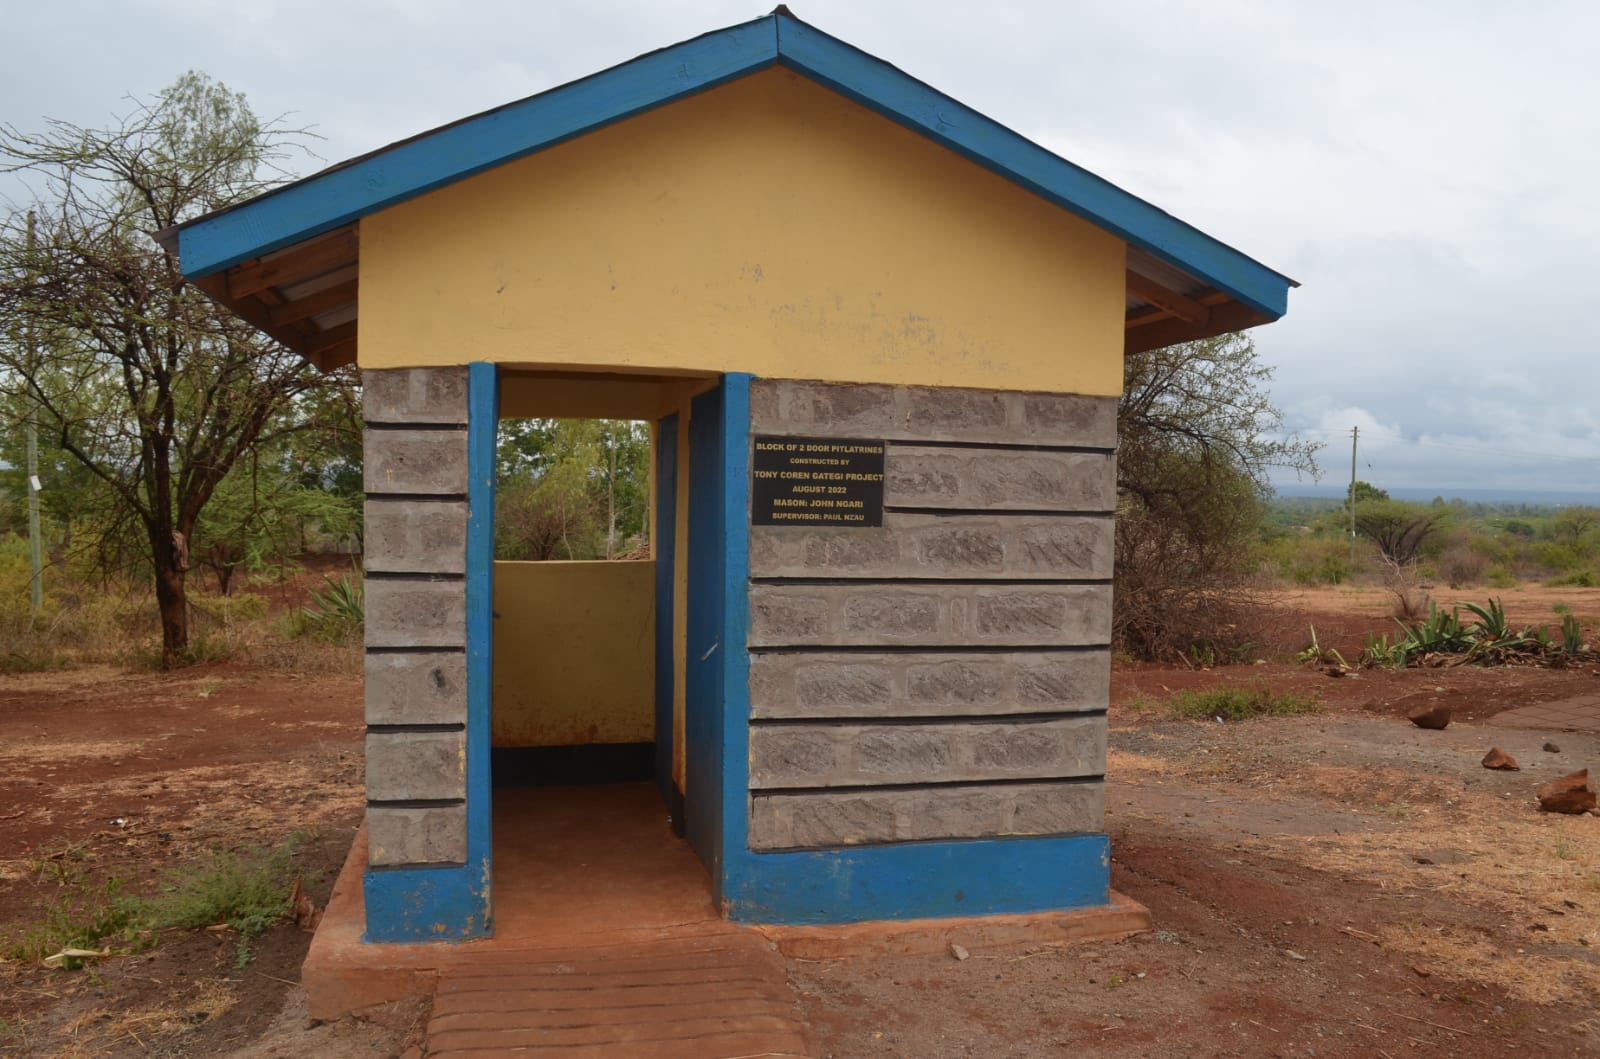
x,y
1569,794
1433,716
1499,759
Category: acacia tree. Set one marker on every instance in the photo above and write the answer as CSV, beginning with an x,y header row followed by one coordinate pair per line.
x,y
1400,530
571,488
146,383
1197,434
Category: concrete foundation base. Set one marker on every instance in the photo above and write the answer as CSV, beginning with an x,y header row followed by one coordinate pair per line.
x,y
578,868
1121,918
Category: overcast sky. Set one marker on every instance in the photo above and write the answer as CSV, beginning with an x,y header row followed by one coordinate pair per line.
x,y
1426,170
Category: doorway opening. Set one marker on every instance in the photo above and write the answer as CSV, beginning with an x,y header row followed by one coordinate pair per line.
x,y
574,590
587,739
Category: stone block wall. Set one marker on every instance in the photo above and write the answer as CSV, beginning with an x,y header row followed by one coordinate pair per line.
x,y
944,676
416,675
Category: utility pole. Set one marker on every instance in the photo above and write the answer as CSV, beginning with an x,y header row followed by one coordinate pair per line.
x,y
35,551
1355,432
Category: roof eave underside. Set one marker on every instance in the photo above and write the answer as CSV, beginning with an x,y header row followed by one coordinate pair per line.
x,y
292,219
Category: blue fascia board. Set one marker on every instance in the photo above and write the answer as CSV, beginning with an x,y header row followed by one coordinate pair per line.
x,y
345,193
922,880
903,99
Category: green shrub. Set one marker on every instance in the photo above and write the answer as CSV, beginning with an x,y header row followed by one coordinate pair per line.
x,y
247,894
1238,703
1308,560
1499,576
1581,579
238,606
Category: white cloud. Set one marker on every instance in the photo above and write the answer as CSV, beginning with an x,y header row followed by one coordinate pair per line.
x,y
1424,169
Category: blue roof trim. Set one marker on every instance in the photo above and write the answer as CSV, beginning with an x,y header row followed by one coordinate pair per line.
x,y
902,98
337,196
340,195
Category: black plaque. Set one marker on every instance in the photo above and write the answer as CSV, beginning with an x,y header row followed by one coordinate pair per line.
x,y
816,482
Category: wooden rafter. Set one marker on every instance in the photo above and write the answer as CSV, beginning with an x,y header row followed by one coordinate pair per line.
x,y
302,262
1167,300
333,336
313,304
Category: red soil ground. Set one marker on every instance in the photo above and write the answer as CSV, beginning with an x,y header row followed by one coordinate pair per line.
x,y
1332,884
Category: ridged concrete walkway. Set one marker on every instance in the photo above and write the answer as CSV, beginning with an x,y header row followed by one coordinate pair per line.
x,y
1580,713
721,995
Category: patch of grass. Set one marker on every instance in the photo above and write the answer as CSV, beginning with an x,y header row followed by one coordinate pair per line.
x,y
246,892
1238,703
83,916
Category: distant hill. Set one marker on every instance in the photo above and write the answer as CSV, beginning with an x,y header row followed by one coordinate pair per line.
x,y
1530,497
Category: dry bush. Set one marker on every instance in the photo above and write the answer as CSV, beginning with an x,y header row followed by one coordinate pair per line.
x,y
1459,565
1411,598
1182,591
1197,434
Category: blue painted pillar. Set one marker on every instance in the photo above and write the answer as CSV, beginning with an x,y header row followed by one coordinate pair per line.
x,y
454,902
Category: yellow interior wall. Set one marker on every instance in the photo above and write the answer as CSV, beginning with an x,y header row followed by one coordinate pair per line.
x,y
574,653
769,226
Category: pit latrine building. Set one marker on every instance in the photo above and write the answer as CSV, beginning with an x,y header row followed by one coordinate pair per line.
x,y
879,339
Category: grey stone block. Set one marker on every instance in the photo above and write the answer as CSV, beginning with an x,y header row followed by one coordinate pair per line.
x,y
796,752
416,836
978,479
426,462
416,766
858,755
789,616
1054,547
416,613
798,685
414,395
891,616
896,754
1020,617
1061,811
824,819
417,688
957,682
1069,415
415,536
956,414
1070,680
929,615
841,683
924,413
1074,746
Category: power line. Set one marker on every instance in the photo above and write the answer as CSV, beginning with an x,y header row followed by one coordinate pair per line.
x,y
1384,435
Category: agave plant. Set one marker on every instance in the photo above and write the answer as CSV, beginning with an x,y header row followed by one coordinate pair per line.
x,y
1438,633
341,603
1378,651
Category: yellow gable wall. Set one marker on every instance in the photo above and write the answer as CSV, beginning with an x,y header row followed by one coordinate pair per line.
x,y
768,226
